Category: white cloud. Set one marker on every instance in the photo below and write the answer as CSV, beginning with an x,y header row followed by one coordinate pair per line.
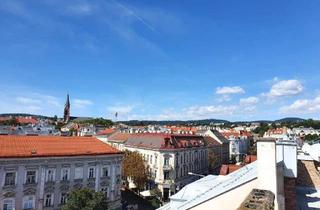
x,y
208,111
230,90
302,106
249,101
79,9
285,88
120,109
81,103
26,100
223,98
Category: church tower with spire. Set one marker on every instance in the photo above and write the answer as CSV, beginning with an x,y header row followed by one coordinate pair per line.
x,y
66,113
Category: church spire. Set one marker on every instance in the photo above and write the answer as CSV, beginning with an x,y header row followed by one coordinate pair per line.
x,y
66,114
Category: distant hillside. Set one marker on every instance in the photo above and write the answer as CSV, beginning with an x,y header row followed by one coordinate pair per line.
x,y
170,122
24,115
290,119
173,122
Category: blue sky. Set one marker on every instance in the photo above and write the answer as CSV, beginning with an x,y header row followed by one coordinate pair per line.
x,y
164,59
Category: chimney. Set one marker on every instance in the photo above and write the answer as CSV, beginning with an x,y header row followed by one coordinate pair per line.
x,y
267,166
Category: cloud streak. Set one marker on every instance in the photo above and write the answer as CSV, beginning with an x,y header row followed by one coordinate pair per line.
x,y
81,103
133,14
230,90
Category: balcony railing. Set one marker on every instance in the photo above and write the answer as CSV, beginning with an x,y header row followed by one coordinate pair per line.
x,y
167,167
9,187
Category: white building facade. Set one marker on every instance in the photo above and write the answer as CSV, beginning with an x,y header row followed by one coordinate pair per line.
x,y
170,158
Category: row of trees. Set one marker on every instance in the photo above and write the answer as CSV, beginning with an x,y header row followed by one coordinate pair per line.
x,y
97,121
13,121
312,137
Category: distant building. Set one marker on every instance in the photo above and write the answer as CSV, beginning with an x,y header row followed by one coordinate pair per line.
x,y
223,155
239,142
37,172
117,140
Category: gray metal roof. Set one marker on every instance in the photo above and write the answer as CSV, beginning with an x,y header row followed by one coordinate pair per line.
x,y
210,187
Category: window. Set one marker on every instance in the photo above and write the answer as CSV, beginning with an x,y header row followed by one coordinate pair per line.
x,y
48,200
65,174
166,161
155,159
91,173
50,175
105,191
8,204
10,179
155,174
150,159
78,173
105,172
28,202
63,198
31,177
166,175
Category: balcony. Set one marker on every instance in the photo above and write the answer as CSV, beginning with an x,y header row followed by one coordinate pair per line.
x,y
9,187
105,178
167,167
92,179
32,184
105,181
66,181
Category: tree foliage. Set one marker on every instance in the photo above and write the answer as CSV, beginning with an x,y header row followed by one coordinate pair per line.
x,y
135,169
213,160
85,199
98,121
13,122
311,137
262,129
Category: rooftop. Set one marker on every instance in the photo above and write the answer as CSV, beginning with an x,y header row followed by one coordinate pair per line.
x,y
52,146
209,187
164,141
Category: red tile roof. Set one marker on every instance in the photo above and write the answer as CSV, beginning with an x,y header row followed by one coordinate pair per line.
x,y
164,141
229,168
119,137
23,120
52,146
211,141
107,131
224,170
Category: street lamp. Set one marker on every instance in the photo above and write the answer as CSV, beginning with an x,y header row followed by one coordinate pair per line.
x,y
193,174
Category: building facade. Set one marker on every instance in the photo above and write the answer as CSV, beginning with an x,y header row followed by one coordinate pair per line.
x,y
39,172
170,158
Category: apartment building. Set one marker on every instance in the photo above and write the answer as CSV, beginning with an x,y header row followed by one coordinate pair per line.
x,y
170,158
38,172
